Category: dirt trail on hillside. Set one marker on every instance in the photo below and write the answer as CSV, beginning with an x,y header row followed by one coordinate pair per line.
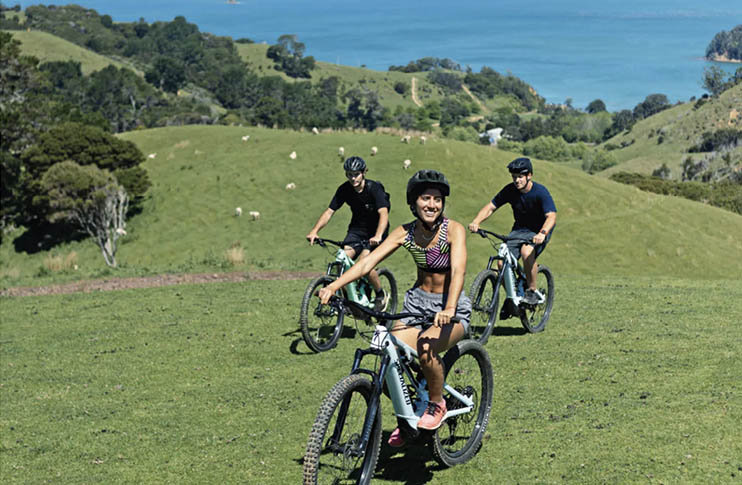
x,y
415,99
111,284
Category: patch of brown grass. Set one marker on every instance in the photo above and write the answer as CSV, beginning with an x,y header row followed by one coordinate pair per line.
x,y
57,263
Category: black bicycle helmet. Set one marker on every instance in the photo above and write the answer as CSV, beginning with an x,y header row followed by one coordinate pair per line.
x,y
424,179
521,165
354,164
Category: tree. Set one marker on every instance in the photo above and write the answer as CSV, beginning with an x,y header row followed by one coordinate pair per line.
x,y
85,145
652,104
596,106
713,80
167,74
92,200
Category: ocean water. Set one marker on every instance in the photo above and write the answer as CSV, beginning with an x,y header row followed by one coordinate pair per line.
x,y
617,51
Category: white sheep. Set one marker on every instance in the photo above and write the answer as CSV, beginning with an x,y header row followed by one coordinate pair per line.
x,y
406,164
255,215
341,152
315,131
292,155
238,211
246,137
374,151
290,186
152,155
121,231
423,140
405,139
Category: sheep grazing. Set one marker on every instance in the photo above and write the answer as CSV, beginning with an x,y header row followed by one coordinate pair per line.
x,y
152,155
315,131
405,139
290,186
246,137
374,151
121,231
238,211
423,140
292,155
406,164
341,152
255,215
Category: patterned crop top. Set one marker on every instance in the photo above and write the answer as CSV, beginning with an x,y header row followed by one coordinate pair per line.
x,y
436,259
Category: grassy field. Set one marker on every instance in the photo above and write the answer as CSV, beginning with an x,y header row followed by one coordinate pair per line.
x,y
49,48
634,380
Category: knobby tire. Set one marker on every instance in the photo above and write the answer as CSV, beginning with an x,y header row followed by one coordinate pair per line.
x,y
326,461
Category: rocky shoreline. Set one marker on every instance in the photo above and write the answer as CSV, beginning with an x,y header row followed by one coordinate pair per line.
x,y
723,58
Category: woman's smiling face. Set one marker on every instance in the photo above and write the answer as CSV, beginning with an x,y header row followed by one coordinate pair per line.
x,y
429,205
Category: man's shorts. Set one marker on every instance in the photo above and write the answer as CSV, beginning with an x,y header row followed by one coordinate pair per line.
x,y
416,300
526,234
358,240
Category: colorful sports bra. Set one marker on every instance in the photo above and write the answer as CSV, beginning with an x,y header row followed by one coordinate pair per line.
x,y
433,260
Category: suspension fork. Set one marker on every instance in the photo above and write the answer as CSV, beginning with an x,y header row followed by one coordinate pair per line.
x,y
373,405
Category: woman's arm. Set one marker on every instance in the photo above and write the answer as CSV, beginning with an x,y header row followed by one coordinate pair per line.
x,y
365,265
457,240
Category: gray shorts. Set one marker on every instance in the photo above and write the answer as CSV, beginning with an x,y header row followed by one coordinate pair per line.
x,y
514,246
416,300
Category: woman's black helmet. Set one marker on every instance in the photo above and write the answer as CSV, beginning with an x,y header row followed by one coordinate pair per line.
x,y
424,179
354,164
521,165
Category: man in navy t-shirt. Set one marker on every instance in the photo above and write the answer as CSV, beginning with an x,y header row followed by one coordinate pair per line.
x,y
369,223
535,217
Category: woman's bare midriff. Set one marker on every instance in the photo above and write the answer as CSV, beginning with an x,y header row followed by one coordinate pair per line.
x,y
433,282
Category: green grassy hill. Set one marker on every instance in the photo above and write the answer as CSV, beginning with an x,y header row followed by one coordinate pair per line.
x,y
49,48
202,173
666,136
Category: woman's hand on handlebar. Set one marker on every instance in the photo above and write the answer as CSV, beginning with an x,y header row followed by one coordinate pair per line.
x,y
443,317
325,294
311,237
473,227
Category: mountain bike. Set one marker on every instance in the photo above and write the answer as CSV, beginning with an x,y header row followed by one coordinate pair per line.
x,y
485,292
345,439
321,325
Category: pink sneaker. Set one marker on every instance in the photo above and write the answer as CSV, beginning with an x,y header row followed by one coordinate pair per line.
x,y
433,416
396,439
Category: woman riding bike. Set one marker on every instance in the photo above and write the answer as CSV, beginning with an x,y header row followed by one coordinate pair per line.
x,y
438,247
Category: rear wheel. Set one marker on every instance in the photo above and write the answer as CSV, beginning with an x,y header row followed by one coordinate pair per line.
x,y
321,325
334,450
485,296
469,372
534,317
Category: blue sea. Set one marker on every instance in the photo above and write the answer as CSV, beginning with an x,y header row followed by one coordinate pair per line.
x,y
617,51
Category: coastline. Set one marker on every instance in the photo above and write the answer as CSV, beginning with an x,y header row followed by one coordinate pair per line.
x,y
723,58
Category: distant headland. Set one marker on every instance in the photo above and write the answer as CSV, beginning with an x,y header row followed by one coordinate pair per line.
x,y
726,46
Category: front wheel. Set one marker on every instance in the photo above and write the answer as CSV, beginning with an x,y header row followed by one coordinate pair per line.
x,y
321,325
534,317
335,453
469,371
389,285
485,296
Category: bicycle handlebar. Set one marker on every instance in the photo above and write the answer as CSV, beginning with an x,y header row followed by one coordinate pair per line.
x,y
485,234
322,241
339,303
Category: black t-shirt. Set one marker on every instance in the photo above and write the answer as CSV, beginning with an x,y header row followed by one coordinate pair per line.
x,y
529,209
364,205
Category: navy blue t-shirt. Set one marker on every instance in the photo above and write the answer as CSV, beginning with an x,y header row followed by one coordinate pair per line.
x,y
529,209
364,205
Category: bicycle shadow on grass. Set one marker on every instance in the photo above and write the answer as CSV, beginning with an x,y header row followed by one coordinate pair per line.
x,y
409,464
508,331
298,347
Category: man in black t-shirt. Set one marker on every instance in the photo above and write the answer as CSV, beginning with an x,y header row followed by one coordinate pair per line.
x,y
535,217
369,223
